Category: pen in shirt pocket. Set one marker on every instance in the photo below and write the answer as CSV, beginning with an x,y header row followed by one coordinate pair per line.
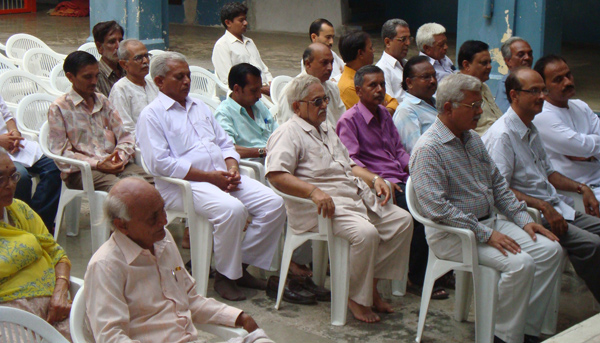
x,y
173,272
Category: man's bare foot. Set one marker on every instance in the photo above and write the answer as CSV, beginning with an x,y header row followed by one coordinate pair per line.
x,y
379,305
300,270
362,313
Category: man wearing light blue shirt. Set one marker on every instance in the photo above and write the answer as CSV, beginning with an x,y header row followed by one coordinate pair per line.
x,y
417,110
246,119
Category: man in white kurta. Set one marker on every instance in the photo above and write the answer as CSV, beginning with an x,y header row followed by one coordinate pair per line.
x,y
133,92
396,39
180,138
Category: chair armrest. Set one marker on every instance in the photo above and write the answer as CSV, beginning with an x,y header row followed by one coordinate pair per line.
x,y
535,214
29,135
259,169
75,285
221,331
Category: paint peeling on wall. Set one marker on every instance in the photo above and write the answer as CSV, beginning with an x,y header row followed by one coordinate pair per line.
x,y
496,56
508,32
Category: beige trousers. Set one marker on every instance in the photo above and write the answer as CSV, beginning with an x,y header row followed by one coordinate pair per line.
x,y
379,247
105,181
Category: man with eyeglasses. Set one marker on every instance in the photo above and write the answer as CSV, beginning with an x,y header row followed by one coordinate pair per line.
x,y
322,31
516,53
307,159
132,93
457,184
432,42
396,39
417,110
474,59
569,128
515,144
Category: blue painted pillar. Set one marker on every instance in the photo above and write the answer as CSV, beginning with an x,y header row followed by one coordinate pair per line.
x,y
494,21
145,20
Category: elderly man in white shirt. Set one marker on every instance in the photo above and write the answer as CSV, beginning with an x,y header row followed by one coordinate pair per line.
x,y
235,48
396,38
179,137
318,59
322,31
569,128
132,93
432,42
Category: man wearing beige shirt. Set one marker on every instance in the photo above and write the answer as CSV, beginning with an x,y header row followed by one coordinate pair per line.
x,y
142,252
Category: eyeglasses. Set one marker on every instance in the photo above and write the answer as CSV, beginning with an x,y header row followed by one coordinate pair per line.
x,y
318,102
15,177
476,105
426,76
140,58
405,38
534,92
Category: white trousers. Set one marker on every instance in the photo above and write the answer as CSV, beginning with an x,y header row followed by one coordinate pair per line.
x,y
527,279
228,213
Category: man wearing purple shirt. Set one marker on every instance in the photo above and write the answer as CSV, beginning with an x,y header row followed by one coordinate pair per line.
x,y
368,132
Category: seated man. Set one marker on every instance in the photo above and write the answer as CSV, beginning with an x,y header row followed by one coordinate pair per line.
x,y
474,59
132,93
85,126
137,288
180,138
357,51
307,159
458,184
417,110
569,128
322,31
28,157
368,132
317,61
515,145
432,42
396,39
246,119
107,36
235,48
516,53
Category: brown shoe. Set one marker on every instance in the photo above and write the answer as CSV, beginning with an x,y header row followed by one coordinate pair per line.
x,y
249,281
227,288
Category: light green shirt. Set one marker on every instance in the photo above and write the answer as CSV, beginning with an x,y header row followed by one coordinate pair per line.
x,y
243,130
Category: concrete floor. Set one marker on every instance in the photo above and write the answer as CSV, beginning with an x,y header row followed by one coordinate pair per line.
x,y
294,323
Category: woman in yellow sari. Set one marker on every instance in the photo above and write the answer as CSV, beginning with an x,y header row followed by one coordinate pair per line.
x,y
34,269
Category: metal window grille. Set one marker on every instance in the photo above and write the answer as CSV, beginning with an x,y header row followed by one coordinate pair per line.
x,y
17,6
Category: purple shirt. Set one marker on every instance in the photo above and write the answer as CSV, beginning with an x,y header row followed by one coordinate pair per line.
x,y
374,144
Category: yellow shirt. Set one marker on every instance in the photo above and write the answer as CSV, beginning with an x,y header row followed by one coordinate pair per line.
x,y
28,254
348,92
491,112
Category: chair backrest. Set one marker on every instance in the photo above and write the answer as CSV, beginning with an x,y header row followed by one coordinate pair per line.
x,y
58,80
205,83
413,204
32,112
209,101
277,87
18,44
79,332
40,61
155,52
21,326
90,47
6,64
17,84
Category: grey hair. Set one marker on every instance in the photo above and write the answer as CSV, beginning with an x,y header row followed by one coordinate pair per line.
x,y
3,152
426,32
505,48
158,65
114,208
297,89
388,30
123,53
452,86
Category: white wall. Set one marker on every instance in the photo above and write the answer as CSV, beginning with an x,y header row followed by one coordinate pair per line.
x,y
294,15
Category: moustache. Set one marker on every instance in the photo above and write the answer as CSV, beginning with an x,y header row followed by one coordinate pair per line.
x,y
568,88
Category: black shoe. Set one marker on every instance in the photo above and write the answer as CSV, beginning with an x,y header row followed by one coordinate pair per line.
x,y
322,293
531,339
292,293
498,340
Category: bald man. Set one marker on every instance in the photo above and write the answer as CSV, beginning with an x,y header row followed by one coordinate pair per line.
x,y
142,252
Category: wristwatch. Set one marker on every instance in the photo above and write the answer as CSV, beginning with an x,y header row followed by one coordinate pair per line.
x,y
580,188
375,179
261,152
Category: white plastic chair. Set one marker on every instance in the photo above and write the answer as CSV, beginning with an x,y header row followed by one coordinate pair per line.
x,y
79,333
40,62
21,326
90,47
277,87
32,113
211,102
339,249
6,64
155,52
100,231
17,84
206,83
19,43
485,279
58,80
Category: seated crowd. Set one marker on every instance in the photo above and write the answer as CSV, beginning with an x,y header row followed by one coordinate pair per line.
x,y
345,134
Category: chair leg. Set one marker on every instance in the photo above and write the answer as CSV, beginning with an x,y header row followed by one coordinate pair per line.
x,y
288,250
73,210
201,240
100,231
340,280
486,294
430,277
320,261
463,294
